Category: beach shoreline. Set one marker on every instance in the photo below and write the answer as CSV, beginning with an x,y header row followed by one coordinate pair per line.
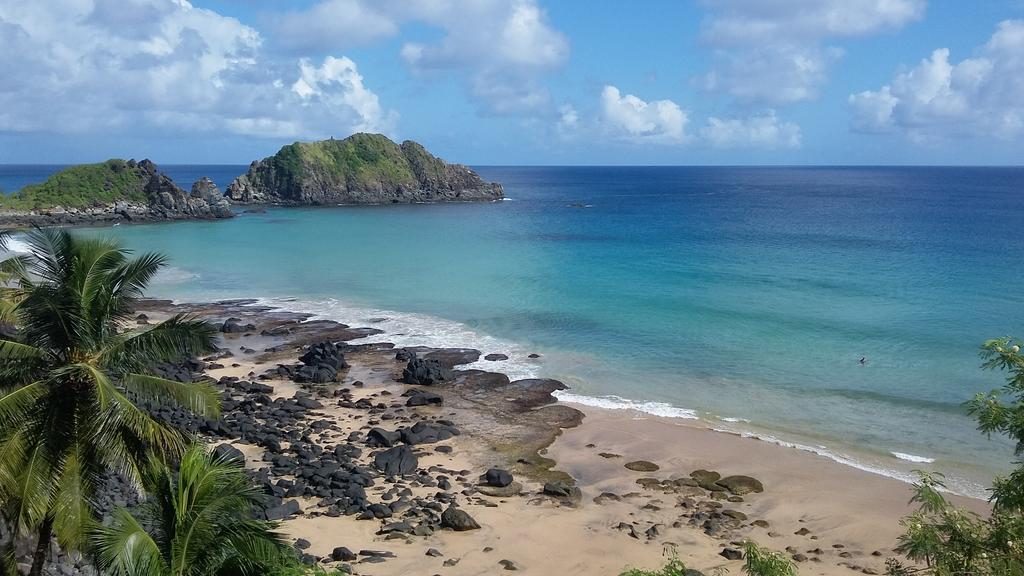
x,y
831,518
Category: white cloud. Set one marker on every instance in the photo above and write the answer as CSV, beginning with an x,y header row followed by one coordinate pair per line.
x,y
503,47
974,97
776,52
130,64
332,24
764,130
629,117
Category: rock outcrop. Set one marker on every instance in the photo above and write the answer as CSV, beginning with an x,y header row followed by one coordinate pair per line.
x,y
361,169
111,191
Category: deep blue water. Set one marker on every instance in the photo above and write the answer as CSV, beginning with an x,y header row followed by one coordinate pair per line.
x,y
742,295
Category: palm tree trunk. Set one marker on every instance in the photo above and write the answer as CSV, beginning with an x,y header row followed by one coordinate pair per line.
x,y
42,547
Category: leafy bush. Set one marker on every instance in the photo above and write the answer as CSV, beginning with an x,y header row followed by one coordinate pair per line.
x,y
674,567
952,541
764,562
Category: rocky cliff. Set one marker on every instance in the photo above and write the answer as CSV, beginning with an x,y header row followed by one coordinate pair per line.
x,y
361,169
115,190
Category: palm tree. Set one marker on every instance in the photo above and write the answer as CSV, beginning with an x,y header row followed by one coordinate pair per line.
x,y
73,387
196,522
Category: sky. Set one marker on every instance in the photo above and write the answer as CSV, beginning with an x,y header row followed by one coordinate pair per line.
x,y
517,82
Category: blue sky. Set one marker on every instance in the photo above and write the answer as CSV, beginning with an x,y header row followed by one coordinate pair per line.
x,y
517,81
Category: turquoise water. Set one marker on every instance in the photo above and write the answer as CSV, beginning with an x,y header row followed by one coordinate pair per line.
x,y
745,296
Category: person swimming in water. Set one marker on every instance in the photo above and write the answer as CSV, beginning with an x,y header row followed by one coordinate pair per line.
x,y
863,360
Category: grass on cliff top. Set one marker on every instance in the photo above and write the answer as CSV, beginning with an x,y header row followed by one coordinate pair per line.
x,y
80,187
360,159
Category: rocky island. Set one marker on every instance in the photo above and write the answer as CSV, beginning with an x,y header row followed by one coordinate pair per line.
x,y
360,169
111,191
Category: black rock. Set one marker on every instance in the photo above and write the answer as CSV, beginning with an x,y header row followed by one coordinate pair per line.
x,y
497,477
229,452
342,554
458,520
380,438
495,357
428,433
397,461
289,508
425,372
423,398
731,554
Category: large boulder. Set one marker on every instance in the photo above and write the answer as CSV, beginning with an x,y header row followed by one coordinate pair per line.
x,y
321,363
425,372
396,461
429,432
458,520
497,477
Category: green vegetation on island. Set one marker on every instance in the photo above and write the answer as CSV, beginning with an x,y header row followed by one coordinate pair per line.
x,y
360,169
110,191
83,186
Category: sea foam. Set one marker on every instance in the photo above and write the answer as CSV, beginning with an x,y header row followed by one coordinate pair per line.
x,y
612,402
913,458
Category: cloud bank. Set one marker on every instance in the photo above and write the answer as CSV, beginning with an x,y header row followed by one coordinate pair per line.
x,y
111,65
978,96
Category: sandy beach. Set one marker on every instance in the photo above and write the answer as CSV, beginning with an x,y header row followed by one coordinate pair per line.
x,y
832,519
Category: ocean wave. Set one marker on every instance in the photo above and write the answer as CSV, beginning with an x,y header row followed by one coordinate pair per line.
x,y
412,329
913,458
612,402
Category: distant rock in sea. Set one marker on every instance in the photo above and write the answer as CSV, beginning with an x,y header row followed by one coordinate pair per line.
x,y
361,169
112,191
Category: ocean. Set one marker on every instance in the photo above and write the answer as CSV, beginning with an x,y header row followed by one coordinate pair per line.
x,y
745,297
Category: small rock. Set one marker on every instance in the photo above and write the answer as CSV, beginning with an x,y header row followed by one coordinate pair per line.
x,y
642,466
508,565
731,554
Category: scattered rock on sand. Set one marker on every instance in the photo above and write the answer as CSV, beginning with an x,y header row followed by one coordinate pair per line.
x,y
642,466
458,520
609,455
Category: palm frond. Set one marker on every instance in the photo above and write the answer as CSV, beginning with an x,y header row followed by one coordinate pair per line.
x,y
124,548
197,397
172,340
11,350
70,509
16,404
